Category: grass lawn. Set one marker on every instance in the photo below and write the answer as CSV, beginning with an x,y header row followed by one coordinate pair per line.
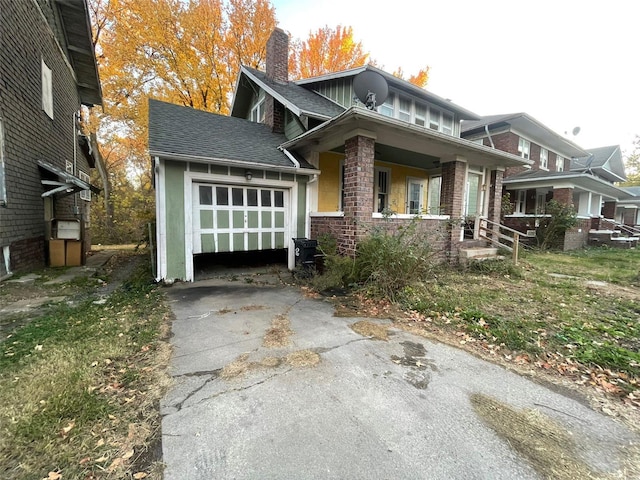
x,y
80,385
554,312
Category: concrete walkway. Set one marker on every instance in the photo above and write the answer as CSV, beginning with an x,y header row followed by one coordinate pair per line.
x,y
333,404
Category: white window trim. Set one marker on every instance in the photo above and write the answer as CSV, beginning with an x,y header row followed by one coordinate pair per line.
x,y
559,163
545,165
3,182
421,182
520,206
376,192
47,90
257,113
84,194
524,147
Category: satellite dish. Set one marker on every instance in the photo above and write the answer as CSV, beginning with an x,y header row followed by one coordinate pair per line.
x,y
371,88
575,131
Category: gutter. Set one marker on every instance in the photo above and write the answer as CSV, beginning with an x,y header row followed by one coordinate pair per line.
x,y
233,163
290,157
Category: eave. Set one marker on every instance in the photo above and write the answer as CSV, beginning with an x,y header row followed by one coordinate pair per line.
x,y
581,181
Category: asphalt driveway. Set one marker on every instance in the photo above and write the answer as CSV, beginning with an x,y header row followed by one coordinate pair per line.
x,y
270,384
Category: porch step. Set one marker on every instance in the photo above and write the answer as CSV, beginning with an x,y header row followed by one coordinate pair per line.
x,y
611,238
477,254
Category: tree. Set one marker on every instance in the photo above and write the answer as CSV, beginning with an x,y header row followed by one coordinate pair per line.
x,y
184,52
632,165
326,50
420,79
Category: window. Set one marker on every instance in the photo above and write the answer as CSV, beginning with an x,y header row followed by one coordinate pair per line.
x,y
524,147
3,185
387,107
420,117
541,203
381,198
434,119
447,123
47,90
404,109
69,167
521,202
257,112
84,194
559,164
415,187
544,158
479,141
433,207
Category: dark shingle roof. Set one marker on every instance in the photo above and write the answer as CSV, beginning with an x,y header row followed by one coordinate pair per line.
x,y
538,174
174,129
305,100
597,157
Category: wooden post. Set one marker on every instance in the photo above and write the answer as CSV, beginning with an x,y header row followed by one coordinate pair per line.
x,y
516,242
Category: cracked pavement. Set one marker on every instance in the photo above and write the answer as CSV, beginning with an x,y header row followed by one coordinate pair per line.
x,y
368,409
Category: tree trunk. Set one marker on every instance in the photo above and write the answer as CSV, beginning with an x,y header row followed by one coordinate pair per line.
x,y
106,184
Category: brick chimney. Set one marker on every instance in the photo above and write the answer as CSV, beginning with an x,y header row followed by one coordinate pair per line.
x,y
278,56
277,70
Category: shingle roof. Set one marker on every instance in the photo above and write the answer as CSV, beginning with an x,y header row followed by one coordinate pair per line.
x,y
305,100
635,191
599,158
185,131
537,175
468,125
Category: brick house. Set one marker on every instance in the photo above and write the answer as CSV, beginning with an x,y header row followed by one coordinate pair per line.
x,y
47,70
561,170
304,158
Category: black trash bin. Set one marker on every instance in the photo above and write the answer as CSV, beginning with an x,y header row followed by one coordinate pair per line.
x,y
305,251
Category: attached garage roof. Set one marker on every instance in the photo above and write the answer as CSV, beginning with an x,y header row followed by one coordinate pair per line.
x,y
186,133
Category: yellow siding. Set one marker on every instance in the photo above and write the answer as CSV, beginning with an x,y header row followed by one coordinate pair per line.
x,y
329,182
398,194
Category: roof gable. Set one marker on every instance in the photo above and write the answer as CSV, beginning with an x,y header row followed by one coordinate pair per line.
x,y
299,100
605,162
184,132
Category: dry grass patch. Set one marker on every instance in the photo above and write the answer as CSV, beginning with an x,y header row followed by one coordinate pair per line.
x,y
371,330
303,358
238,367
278,335
547,446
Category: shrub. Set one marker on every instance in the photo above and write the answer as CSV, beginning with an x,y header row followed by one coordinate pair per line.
x,y
559,219
387,262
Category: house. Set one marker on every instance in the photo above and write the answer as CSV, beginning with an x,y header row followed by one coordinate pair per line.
x,y
561,171
48,70
305,158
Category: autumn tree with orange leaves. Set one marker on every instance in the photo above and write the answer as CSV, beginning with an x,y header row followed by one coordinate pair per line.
x,y
188,53
326,50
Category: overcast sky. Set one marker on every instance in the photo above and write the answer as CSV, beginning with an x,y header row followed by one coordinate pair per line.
x,y
567,63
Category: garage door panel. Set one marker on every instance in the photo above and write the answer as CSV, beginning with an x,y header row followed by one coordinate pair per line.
x,y
208,243
239,218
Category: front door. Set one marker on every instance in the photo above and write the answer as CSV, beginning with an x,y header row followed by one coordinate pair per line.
x,y
415,193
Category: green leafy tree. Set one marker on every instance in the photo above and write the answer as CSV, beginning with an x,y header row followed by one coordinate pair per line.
x,y
558,218
632,165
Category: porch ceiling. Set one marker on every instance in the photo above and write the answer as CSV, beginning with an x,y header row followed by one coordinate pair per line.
x,y
581,182
399,142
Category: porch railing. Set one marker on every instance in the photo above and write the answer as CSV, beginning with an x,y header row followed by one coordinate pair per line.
x,y
629,230
499,235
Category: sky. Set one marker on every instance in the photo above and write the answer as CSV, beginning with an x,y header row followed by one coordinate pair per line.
x,y
567,63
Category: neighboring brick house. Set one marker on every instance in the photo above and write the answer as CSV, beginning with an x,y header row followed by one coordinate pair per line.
x,y
323,163
561,170
47,70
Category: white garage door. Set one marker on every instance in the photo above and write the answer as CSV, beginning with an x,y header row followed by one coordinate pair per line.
x,y
237,218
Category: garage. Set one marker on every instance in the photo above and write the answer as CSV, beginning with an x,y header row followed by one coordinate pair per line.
x,y
238,218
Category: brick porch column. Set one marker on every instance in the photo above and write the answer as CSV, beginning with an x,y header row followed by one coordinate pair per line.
x,y
495,195
629,216
358,191
451,200
563,195
609,210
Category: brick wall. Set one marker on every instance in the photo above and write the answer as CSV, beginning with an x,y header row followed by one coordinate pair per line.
x,y
358,191
563,195
629,216
609,209
578,236
30,135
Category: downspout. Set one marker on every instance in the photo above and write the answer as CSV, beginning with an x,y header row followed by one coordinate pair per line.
x,y
486,129
295,162
76,209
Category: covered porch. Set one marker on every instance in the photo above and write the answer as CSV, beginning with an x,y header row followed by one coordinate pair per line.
x,y
378,171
